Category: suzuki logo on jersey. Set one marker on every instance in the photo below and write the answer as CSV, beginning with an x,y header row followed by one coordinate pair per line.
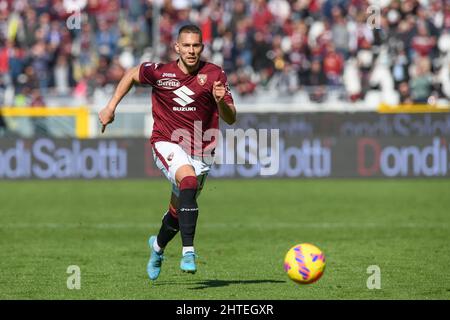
x,y
183,99
184,108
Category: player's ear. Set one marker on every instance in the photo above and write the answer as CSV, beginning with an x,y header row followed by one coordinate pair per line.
x,y
177,47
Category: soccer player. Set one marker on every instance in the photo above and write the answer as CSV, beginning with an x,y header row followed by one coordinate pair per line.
x,y
188,97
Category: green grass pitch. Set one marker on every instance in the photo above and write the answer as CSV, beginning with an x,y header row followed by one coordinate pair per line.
x,y
245,228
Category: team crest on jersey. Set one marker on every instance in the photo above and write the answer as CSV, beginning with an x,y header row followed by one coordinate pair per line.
x,y
201,78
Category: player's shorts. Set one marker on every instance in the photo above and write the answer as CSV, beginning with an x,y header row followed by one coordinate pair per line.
x,y
169,157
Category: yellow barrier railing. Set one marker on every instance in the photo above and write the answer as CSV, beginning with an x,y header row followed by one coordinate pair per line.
x,y
81,115
412,108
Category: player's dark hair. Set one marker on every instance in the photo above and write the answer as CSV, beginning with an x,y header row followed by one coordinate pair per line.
x,y
190,28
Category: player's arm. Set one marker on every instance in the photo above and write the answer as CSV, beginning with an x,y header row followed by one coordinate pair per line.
x,y
227,111
106,115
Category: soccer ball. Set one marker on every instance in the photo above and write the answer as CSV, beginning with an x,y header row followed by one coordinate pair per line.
x,y
304,263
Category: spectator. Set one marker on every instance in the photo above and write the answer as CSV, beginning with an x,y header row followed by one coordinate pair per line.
x,y
29,81
353,80
229,52
106,39
239,13
39,123
16,62
339,31
317,82
115,71
3,127
365,58
421,82
262,17
41,60
280,10
242,42
5,52
61,75
242,83
404,93
423,43
333,66
30,25
260,48
261,40
286,81
400,68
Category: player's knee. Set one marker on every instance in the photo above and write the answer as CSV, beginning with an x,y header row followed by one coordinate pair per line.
x,y
183,172
188,183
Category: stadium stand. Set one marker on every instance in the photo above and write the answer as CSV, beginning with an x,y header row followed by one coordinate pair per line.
x,y
398,50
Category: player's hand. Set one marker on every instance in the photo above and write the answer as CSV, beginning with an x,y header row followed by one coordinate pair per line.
x,y
218,91
106,116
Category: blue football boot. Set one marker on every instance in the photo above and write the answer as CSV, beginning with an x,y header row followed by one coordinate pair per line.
x,y
187,263
155,261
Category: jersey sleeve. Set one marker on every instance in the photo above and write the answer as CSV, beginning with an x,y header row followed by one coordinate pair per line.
x,y
146,73
228,98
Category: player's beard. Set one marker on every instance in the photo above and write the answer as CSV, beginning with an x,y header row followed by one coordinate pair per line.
x,y
190,66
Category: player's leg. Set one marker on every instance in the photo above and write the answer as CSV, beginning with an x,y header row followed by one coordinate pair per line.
x,y
201,171
187,214
169,224
163,153
182,171
168,230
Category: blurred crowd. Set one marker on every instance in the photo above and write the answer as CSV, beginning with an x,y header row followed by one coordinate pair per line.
x,y
75,47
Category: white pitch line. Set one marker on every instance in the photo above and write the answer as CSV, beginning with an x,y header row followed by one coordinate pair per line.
x,y
269,225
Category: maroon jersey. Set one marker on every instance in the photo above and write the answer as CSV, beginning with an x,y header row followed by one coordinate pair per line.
x,y
180,101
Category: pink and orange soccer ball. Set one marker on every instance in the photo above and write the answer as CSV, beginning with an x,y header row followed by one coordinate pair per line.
x,y
304,263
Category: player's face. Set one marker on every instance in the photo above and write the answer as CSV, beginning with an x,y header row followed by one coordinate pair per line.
x,y
189,47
